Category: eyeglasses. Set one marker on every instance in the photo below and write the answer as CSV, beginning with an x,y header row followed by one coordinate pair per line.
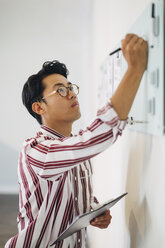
x,y
64,91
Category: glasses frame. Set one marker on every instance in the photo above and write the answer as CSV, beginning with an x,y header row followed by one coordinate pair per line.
x,y
57,91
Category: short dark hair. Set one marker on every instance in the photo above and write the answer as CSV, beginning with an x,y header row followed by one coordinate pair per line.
x,y
33,88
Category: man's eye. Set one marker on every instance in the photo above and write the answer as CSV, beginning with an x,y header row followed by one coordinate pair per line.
x,y
71,88
62,89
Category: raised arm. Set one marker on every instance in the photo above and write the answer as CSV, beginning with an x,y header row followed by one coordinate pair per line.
x,y
135,51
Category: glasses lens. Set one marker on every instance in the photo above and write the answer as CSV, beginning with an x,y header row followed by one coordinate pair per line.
x,y
63,91
75,89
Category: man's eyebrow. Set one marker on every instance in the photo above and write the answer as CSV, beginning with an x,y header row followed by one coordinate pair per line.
x,y
61,84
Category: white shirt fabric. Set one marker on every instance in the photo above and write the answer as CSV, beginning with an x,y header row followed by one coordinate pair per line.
x,y
55,186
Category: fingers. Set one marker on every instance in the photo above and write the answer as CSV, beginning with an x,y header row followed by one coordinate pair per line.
x,y
127,39
135,51
143,43
101,226
140,42
131,40
102,221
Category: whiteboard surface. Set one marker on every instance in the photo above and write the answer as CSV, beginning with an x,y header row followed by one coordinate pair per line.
x,y
148,106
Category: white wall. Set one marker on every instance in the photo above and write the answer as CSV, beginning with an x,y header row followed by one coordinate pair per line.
x,y
33,32
135,164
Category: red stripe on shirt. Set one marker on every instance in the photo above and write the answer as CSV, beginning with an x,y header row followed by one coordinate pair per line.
x,y
13,241
29,234
83,182
60,185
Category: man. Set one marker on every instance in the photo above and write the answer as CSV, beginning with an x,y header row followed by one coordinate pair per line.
x,y
54,169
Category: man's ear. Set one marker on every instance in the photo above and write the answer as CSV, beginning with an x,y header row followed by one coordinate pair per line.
x,y
38,108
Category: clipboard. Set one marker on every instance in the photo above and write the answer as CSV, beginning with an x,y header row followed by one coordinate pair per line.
x,y
83,220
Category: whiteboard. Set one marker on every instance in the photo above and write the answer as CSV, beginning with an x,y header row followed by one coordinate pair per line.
x,y
148,107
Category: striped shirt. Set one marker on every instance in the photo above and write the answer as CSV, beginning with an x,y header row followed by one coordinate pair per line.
x,y
54,175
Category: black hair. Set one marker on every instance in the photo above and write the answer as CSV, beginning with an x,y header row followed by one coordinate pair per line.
x,y
33,88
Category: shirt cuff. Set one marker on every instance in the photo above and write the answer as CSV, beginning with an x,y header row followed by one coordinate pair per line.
x,y
108,115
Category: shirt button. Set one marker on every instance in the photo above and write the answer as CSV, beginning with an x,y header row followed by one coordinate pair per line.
x,y
79,240
76,198
75,178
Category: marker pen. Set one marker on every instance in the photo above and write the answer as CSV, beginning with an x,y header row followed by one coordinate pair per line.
x,y
152,24
117,50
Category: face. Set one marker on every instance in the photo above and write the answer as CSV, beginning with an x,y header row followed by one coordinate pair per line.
x,y
58,108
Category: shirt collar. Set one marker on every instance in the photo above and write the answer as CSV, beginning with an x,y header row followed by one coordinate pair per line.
x,y
51,131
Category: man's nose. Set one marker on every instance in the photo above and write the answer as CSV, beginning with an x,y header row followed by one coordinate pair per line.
x,y
71,94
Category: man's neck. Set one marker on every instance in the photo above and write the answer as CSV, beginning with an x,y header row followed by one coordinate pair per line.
x,y
62,128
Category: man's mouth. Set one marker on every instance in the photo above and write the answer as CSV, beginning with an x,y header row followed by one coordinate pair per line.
x,y
75,104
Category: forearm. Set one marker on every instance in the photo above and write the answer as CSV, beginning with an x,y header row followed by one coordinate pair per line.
x,y
124,96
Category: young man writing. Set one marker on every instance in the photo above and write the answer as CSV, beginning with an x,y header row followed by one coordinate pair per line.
x,y
54,171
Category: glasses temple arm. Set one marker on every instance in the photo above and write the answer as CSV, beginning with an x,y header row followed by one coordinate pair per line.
x,y
53,92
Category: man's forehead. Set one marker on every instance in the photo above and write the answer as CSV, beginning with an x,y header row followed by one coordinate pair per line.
x,y
53,79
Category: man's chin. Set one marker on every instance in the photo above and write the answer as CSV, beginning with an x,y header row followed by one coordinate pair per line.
x,y
78,116
74,117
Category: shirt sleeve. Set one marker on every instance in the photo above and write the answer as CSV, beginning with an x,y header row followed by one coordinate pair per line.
x,y
53,157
